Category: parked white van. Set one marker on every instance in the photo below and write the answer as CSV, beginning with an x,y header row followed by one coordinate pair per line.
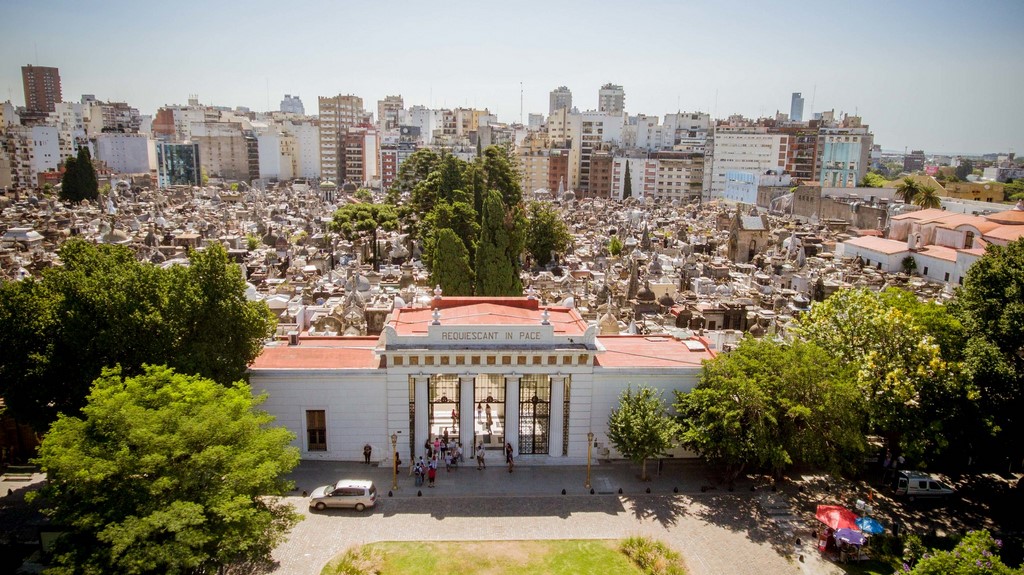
x,y
913,485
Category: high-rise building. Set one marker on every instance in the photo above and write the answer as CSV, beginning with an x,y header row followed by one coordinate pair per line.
x,y
389,112
178,164
293,105
337,115
560,99
611,98
796,107
42,89
914,161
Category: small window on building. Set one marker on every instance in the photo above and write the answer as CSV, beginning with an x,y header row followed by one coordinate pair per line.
x,y
492,360
428,360
316,430
711,325
460,360
414,360
536,360
552,360
925,271
445,360
475,360
521,360
583,359
566,360
506,360
399,360
947,277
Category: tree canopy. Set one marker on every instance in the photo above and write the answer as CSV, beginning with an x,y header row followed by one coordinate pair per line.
x,y
79,179
103,308
768,405
413,170
496,271
990,306
902,376
451,268
872,180
928,197
908,189
351,219
640,427
458,217
547,233
166,473
976,554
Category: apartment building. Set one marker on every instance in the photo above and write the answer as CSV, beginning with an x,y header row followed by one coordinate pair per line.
x,y
125,153
292,105
225,151
600,175
679,176
360,151
337,115
743,149
611,98
643,177
389,113
42,91
597,130
559,99
28,151
844,155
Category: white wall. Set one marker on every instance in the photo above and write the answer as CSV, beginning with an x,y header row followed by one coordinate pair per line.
x,y
354,401
124,153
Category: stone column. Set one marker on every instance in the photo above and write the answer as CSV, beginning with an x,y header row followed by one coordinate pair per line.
x,y
556,424
467,425
512,411
422,426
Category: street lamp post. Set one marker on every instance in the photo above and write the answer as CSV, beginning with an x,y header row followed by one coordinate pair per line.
x,y
394,462
590,444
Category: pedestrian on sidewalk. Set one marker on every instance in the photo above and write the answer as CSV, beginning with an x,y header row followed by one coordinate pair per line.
x,y
508,456
367,450
480,457
432,472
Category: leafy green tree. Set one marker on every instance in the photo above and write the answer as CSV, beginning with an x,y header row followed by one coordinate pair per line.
x,y
976,554
615,246
1014,190
928,197
991,309
627,187
363,195
901,375
413,170
769,405
451,268
908,189
872,180
547,233
351,219
216,331
459,217
499,168
496,275
104,308
965,169
640,427
166,473
79,180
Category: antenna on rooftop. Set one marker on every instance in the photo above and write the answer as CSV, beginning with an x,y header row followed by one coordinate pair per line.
x,y
520,102
813,94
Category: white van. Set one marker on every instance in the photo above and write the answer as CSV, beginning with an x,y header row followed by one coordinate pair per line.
x,y
913,485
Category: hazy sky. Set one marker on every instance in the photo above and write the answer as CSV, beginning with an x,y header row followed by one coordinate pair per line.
x,y
940,75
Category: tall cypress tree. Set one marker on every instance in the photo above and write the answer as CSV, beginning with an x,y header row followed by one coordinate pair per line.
x,y
496,274
79,180
627,188
451,268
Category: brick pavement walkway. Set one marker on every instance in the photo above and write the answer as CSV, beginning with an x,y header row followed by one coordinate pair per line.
x,y
717,532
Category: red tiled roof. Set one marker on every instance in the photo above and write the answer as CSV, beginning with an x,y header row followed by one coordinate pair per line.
x,y
649,351
487,311
878,245
939,252
326,353
1007,233
922,215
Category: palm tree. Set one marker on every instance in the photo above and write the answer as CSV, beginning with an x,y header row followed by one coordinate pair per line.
x,y
908,189
928,197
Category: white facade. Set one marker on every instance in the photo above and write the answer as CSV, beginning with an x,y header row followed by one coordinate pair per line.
x,y
611,98
276,155
425,119
542,387
46,154
125,153
292,105
643,174
744,150
741,187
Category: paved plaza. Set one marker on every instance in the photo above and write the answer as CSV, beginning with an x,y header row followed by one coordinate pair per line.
x,y
718,532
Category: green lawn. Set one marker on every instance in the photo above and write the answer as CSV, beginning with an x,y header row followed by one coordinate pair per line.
x,y
574,557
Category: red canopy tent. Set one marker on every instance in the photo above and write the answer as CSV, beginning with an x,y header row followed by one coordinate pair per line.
x,y
837,517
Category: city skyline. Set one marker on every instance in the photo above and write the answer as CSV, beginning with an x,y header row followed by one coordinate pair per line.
x,y
896,66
